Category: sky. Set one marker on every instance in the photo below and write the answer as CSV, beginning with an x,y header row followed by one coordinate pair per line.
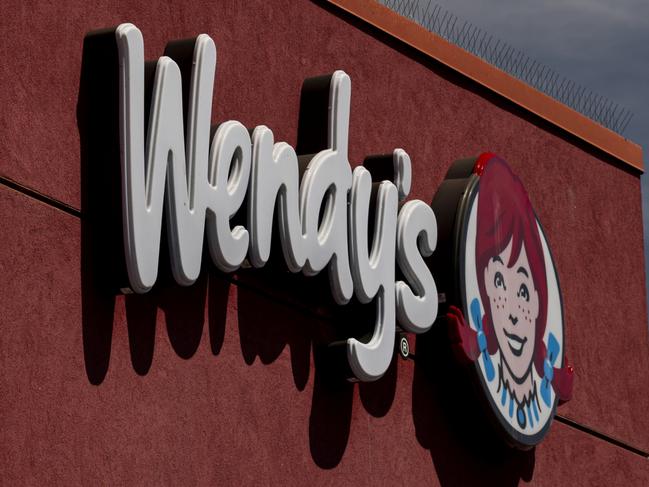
x,y
600,44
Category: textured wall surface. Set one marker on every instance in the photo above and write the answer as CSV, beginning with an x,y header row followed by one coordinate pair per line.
x,y
217,383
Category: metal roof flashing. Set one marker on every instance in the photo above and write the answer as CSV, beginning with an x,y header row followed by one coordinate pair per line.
x,y
494,79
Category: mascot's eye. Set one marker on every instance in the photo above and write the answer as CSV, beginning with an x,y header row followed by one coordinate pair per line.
x,y
523,292
499,281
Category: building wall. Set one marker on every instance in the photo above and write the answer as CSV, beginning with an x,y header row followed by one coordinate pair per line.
x,y
220,383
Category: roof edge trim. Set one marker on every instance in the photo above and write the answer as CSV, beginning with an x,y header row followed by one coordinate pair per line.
x,y
492,78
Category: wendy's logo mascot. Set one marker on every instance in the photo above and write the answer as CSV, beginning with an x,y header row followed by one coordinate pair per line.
x,y
507,319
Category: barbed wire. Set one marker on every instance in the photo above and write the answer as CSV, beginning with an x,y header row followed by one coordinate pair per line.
x,y
514,62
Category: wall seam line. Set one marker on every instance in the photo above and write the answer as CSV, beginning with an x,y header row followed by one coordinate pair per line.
x,y
37,195
602,436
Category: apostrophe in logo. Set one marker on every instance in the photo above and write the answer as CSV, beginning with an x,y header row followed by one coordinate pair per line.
x,y
505,311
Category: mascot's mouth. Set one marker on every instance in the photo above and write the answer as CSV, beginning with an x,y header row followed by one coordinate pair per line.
x,y
516,343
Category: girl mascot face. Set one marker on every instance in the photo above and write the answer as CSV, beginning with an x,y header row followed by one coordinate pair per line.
x,y
511,272
510,326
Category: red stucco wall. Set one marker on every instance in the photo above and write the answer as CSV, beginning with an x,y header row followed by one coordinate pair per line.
x,y
216,384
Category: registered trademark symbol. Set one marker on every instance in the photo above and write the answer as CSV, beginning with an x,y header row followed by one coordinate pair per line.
x,y
404,348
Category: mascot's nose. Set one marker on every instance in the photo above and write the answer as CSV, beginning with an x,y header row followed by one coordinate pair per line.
x,y
513,320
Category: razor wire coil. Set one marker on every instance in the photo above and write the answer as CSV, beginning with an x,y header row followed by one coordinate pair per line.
x,y
514,62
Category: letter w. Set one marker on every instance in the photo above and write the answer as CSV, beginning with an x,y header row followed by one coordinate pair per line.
x,y
146,167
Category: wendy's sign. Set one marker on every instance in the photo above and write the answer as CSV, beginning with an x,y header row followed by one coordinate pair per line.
x,y
506,316
323,208
495,267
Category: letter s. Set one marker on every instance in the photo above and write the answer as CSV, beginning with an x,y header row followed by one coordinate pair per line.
x,y
416,304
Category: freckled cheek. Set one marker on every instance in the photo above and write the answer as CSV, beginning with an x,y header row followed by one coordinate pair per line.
x,y
498,300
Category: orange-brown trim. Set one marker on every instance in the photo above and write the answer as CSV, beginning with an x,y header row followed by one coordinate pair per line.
x,y
494,79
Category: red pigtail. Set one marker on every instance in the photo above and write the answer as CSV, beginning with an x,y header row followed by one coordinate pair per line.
x,y
562,381
463,337
562,378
